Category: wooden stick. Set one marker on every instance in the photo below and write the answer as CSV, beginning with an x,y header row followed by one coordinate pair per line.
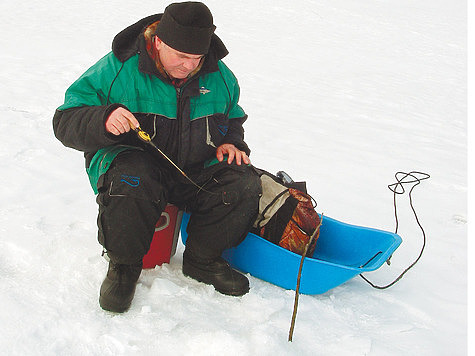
x,y
296,301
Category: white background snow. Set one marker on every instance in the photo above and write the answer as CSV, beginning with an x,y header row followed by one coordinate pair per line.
x,y
340,93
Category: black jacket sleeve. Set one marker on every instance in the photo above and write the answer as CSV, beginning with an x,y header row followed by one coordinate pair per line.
x,y
235,134
83,128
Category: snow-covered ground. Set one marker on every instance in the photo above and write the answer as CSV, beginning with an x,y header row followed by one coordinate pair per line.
x,y
340,93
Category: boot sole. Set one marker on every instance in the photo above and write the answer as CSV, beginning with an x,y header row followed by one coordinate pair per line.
x,y
112,307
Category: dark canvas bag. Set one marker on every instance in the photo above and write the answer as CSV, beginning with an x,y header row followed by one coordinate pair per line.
x,y
287,216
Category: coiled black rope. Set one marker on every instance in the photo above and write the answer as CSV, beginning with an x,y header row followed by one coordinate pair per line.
x,y
397,188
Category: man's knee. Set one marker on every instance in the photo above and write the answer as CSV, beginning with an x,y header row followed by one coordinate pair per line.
x,y
243,181
223,219
246,186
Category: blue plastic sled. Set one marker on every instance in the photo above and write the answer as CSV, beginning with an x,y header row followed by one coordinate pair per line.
x,y
343,251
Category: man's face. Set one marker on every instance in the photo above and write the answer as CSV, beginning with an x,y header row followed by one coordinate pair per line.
x,y
177,64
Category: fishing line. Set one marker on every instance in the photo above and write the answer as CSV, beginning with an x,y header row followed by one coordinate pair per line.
x,y
397,188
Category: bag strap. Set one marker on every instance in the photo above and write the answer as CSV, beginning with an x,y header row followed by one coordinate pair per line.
x,y
284,180
267,193
277,197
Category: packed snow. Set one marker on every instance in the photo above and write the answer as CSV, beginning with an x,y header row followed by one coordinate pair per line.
x,y
341,94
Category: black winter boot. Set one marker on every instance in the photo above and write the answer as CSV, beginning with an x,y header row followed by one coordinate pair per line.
x,y
216,272
118,288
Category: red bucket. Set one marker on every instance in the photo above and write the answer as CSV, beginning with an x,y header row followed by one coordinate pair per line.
x,y
165,238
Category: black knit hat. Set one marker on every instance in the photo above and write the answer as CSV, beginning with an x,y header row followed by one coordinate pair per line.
x,y
187,27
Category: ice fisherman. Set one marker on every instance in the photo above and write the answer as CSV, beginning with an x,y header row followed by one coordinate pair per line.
x,y
165,74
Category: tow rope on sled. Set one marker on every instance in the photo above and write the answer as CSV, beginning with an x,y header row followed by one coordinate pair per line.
x,y
397,188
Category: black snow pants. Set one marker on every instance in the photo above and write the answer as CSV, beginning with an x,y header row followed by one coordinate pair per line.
x,y
137,187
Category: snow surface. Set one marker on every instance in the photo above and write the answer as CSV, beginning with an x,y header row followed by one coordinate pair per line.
x,y
340,93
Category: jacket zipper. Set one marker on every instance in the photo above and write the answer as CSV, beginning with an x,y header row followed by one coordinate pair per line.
x,y
181,120
179,123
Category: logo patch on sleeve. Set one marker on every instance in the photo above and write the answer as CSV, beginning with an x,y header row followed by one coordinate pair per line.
x,y
130,180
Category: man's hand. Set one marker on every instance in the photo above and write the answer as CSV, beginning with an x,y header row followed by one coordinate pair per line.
x,y
120,121
232,153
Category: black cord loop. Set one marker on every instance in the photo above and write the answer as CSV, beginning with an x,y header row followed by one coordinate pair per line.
x,y
397,188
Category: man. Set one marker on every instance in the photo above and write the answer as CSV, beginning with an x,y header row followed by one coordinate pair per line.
x,y
164,75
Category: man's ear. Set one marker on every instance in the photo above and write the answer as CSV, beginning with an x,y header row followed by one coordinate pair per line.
x,y
158,42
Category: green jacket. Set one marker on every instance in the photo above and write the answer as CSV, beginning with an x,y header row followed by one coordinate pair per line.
x,y
187,123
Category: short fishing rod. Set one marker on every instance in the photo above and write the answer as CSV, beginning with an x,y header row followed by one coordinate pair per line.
x,y
145,137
